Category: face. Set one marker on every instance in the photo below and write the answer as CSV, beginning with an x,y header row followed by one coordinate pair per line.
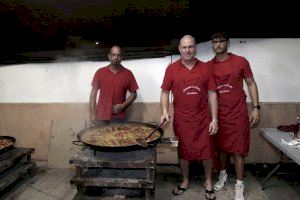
x,y
187,48
219,45
115,56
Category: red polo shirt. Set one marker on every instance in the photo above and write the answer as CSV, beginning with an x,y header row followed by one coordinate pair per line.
x,y
113,89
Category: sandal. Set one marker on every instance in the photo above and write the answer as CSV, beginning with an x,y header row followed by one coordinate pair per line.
x,y
210,195
179,191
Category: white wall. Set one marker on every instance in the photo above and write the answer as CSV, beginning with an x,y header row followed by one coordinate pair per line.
x,y
275,64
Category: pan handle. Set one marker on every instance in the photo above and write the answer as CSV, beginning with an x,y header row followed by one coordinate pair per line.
x,y
76,143
157,127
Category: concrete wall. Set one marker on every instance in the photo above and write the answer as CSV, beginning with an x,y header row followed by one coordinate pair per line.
x,y
275,64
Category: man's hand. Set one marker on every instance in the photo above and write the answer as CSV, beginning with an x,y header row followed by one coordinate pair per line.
x,y
165,117
213,127
254,117
117,108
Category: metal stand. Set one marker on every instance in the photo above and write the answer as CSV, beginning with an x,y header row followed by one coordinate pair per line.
x,y
120,174
273,171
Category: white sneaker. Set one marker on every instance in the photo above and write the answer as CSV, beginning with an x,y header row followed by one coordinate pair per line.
x,y
221,182
239,192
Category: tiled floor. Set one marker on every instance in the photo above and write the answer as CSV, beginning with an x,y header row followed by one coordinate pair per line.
x,y
53,184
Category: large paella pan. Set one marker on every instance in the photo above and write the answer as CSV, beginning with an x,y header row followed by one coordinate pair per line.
x,y
119,135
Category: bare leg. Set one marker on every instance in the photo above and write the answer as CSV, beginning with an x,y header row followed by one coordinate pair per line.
x,y
223,177
224,160
207,164
239,161
209,192
184,167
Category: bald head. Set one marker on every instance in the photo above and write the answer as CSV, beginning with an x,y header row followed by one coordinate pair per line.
x,y
115,56
115,48
187,38
187,48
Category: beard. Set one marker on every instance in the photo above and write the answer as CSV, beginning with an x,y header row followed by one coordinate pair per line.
x,y
115,62
220,50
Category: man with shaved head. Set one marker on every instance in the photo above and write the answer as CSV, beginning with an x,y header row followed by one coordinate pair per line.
x,y
113,82
194,91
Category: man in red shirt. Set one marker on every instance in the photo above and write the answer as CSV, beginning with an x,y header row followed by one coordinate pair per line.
x,y
234,128
192,85
113,82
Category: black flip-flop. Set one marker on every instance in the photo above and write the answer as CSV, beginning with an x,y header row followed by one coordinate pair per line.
x,y
180,190
209,193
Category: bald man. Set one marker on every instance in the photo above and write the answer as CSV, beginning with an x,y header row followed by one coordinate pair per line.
x,y
194,91
113,82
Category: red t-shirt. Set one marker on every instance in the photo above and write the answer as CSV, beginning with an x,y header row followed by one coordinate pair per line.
x,y
113,89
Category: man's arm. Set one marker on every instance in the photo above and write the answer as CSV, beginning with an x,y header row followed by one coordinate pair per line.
x,y
119,107
92,104
164,101
213,103
253,91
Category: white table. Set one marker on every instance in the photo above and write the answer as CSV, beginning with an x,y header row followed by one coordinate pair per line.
x,y
274,136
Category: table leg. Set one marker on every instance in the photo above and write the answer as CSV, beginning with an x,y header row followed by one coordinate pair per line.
x,y
272,172
269,175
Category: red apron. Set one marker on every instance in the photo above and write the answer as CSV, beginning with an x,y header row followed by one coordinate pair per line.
x,y
234,130
191,116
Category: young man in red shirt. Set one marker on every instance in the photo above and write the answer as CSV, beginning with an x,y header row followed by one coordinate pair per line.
x,y
113,82
192,85
233,137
